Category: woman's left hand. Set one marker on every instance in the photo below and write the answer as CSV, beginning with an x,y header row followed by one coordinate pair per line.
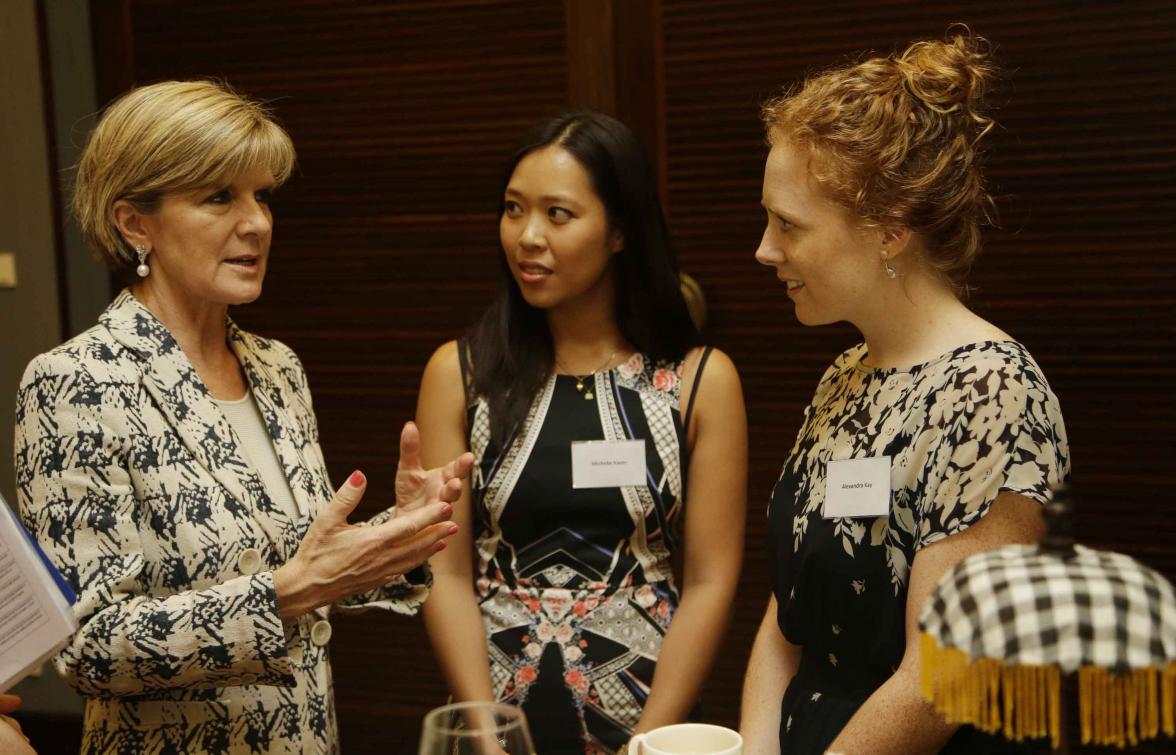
x,y
416,486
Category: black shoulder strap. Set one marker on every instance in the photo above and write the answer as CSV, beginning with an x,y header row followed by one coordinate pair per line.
x,y
463,359
694,388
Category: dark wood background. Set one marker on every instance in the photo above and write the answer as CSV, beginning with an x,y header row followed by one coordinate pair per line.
x,y
403,112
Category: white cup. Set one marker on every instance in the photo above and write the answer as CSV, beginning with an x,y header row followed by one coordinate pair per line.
x,y
687,739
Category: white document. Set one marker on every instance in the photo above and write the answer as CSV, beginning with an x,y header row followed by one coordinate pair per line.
x,y
608,463
36,617
857,487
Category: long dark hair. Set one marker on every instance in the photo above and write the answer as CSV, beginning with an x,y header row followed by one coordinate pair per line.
x,y
511,351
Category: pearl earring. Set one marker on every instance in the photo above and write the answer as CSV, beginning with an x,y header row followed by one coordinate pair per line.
x,y
886,268
142,270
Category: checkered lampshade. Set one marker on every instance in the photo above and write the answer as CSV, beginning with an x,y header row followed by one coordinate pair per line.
x,y
1002,626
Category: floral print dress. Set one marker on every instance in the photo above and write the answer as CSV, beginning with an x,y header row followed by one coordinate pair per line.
x,y
575,585
959,430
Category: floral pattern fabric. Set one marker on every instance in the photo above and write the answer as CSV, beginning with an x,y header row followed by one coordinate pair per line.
x,y
575,585
959,430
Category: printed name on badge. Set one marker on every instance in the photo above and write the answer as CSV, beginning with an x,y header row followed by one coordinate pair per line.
x,y
857,488
608,463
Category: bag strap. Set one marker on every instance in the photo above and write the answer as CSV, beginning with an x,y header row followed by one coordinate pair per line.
x,y
694,388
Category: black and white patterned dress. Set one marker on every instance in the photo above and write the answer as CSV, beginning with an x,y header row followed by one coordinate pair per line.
x,y
137,487
959,430
575,587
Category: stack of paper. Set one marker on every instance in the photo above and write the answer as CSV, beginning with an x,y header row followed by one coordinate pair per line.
x,y
36,617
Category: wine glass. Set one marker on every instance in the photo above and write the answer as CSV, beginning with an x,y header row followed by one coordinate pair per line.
x,y
476,729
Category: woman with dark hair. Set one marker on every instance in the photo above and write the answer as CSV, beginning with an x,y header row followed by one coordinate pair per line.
x,y
933,439
582,394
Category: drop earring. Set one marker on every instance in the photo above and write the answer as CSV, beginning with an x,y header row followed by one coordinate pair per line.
x,y
143,270
886,268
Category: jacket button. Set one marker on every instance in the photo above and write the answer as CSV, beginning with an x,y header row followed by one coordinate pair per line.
x,y
249,562
320,633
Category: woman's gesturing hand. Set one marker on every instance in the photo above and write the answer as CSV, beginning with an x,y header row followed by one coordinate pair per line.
x,y
337,559
416,487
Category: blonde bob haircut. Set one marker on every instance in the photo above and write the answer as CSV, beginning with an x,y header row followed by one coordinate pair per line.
x,y
174,136
896,140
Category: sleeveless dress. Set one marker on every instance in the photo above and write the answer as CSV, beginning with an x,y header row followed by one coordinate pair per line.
x,y
959,430
575,585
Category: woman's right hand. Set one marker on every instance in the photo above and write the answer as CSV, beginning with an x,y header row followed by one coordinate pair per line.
x,y
336,559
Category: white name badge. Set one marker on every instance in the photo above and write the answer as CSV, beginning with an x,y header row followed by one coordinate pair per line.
x,y
608,463
857,487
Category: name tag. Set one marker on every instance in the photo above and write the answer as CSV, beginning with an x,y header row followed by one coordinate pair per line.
x,y
857,487
608,463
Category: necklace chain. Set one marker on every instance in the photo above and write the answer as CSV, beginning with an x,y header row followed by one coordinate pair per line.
x,y
588,396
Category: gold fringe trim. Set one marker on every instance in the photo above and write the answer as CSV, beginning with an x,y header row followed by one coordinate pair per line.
x,y
1024,702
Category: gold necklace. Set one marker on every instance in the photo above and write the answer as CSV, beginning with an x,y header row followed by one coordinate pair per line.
x,y
588,395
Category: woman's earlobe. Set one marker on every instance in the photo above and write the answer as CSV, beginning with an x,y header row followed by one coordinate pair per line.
x,y
616,242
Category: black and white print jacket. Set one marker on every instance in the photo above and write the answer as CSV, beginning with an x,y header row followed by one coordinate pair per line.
x,y
135,485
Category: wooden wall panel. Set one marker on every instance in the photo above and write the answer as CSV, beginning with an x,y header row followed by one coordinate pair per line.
x,y
385,239
1081,273
614,66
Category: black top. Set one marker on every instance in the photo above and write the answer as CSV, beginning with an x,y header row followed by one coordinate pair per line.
x,y
548,520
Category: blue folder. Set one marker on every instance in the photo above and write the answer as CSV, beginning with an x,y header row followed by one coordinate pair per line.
x,y
63,586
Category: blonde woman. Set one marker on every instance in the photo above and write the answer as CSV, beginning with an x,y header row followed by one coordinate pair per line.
x,y
169,462
874,196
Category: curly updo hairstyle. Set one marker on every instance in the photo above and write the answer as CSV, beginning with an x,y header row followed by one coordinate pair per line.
x,y
896,141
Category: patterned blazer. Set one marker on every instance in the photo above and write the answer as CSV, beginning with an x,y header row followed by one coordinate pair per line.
x,y
134,483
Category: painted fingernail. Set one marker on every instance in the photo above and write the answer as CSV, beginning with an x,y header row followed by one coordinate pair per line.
x,y
446,510
440,545
453,529
356,479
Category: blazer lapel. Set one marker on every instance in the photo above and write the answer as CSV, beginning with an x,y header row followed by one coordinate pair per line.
x,y
275,383
185,401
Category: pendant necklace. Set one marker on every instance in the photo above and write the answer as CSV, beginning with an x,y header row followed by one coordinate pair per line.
x,y
587,390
